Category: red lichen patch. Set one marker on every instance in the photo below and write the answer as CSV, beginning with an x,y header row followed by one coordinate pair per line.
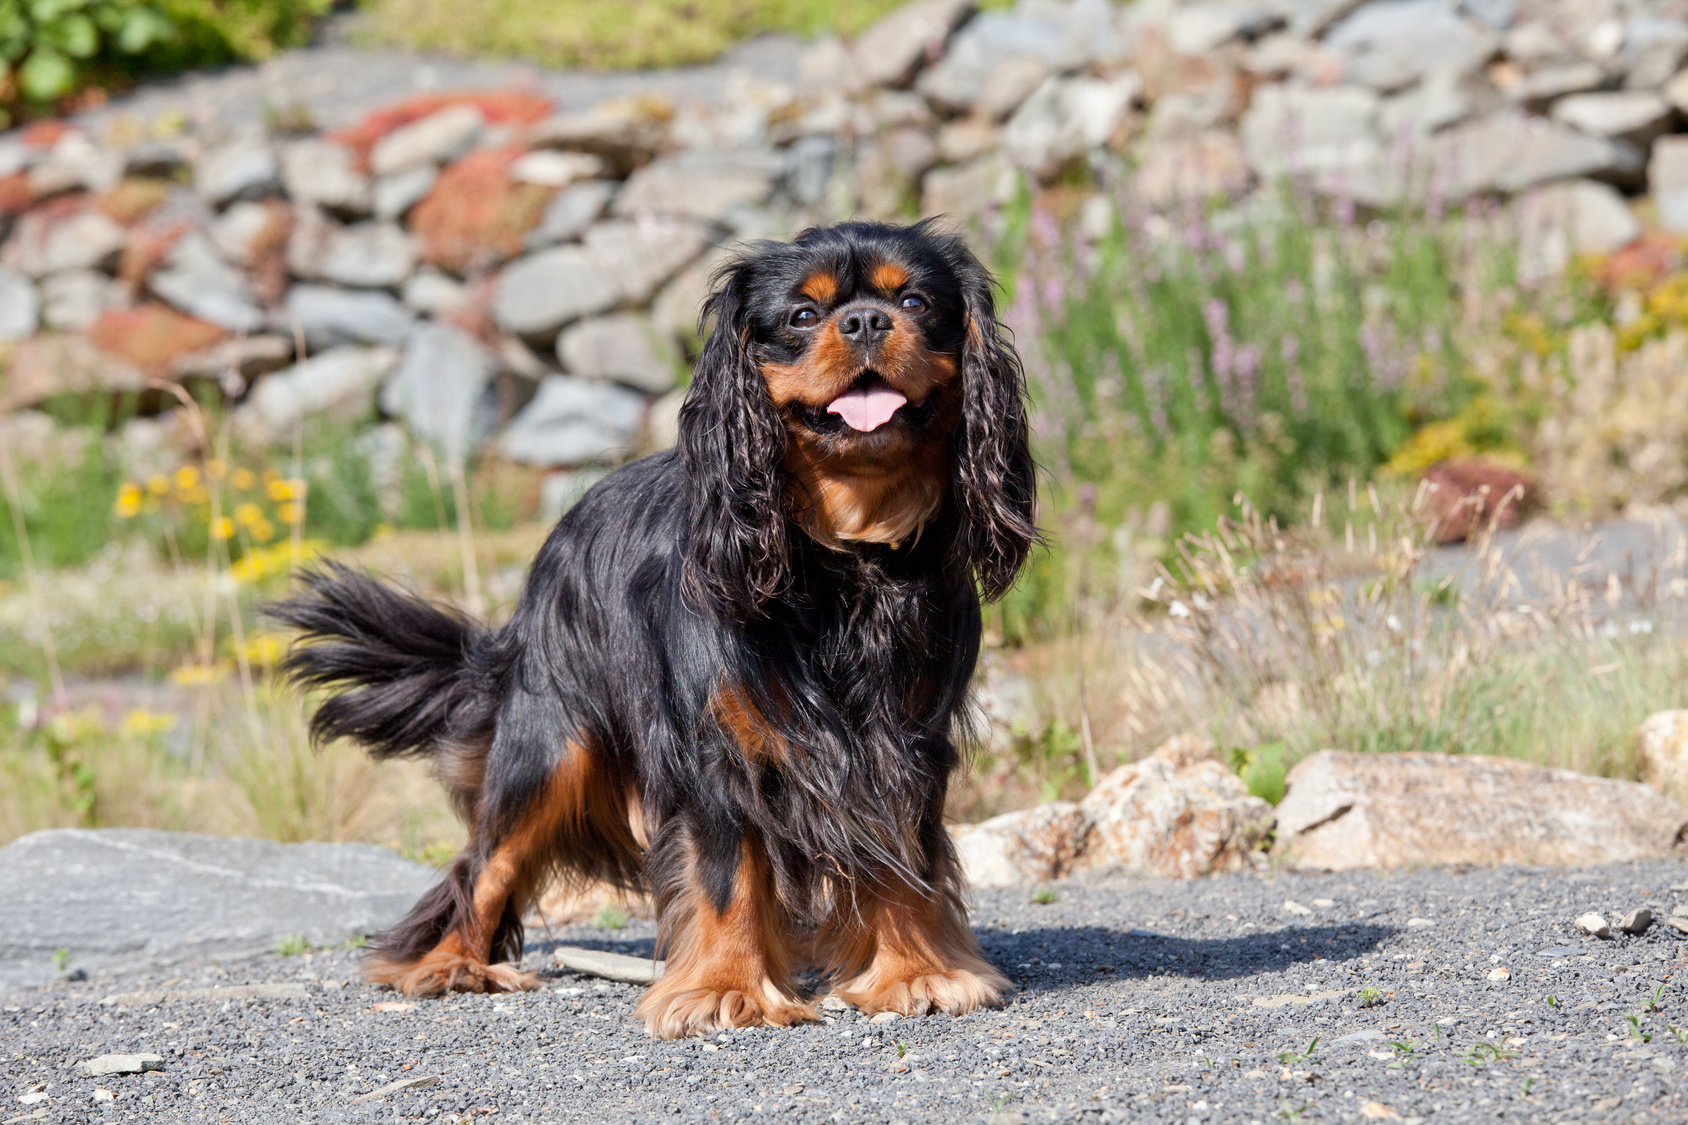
x,y
15,194
1466,496
1642,264
498,107
475,216
147,248
45,134
132,199
151,336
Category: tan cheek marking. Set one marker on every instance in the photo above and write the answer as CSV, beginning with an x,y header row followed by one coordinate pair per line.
x,y
888,277
825,371
820,287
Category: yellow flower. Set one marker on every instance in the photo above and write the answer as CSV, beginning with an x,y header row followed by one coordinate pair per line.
x,y
289,512
222,528
196,495
141,723
159,485
187,477
129,500
216,468
198,675
266,649
280,490
245,515
263,531
242,479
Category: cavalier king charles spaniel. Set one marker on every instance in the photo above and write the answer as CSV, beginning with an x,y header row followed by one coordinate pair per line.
x,y
738,670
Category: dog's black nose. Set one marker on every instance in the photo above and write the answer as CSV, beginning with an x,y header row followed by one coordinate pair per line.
x,y
864,324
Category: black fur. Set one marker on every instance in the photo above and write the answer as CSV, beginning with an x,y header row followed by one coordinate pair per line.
x,y
683,573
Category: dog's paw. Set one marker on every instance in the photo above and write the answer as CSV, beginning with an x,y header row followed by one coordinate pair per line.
x,y
675,1014
955,992
444,971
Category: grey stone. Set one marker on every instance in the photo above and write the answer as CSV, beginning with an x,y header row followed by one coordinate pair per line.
x,y
1535,43
1655,47
321,172
1509,152
889,166
201,284
889,52
553,169
1498,14
1389,44
373,255
328,316
1435,103
1633,115
342,379
1676,92
1198,167
245,168
73,163
700,184
1593,925
538,294
1636,921
1289,129
564,488
244,357
440,137
574,209
393,196
1667,180
1197,29
970,189
966,73
624,348
1066,117
20,306
440,390
432,293
103,1065
237,231
662,421
1541,88
618,131
154,997
572,421
1562,220
809,166
155,157
675,311
126,899
1007,86
72,301
967,138
638,256
83,241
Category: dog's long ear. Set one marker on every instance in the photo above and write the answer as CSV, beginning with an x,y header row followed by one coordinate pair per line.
x,y
731,447
995,487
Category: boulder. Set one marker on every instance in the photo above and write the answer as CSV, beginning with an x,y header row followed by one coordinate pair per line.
x,y
372,255
624,348
1036,845
571,212
49,364
625,132
43,244
965,190
1667,180
1509,152
1347,810
328,316
1389,44
1573,217
393,196
1199,28
20,306
341,379
1292,129
1636,116
1065,117
539,294
244,168
440,390
476,216
248,230
323,173
1177,813
1541,88
129,899
433,293
572,421
198,282
151,337
438,138
676,310
1019,45
638,256
700,184
1442,99
1661,744
72,301
1466,496
889,52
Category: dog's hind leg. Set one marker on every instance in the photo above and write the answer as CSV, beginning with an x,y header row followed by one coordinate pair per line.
x,y
465,935
726,940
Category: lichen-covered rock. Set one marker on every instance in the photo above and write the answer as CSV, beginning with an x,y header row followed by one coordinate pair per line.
x,y
476,216
1035,845
1179,813
1661,742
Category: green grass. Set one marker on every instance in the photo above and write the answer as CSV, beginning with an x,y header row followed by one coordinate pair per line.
x,y
610,34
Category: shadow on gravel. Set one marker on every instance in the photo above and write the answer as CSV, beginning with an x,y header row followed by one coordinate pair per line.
x,y
1057,957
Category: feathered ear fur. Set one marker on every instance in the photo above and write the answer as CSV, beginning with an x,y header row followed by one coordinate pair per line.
x,y
995,486
731,448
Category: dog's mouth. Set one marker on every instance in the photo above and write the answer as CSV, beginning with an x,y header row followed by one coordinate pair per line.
x,y
868,405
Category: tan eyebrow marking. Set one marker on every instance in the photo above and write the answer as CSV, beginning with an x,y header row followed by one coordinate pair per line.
x,y
888,277
820,287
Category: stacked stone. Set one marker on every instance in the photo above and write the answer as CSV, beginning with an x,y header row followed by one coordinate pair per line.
x,y
490,274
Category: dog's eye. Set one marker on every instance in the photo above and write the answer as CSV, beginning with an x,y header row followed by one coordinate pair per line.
x,y
915,305
805,318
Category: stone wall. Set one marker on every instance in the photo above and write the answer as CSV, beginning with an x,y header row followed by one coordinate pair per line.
x,y
491,273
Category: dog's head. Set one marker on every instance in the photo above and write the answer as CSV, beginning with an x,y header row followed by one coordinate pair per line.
x,y
856,388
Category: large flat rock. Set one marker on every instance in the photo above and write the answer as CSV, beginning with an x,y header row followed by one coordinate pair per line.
x,y
1346,810
123,899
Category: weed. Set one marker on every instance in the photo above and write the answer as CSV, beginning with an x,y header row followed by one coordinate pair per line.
x,y
1290,1057
1406,1053
291,945
1635,1031
611,917
1552,1001
1681,1036
902,1048
1044,895
1482,1053
1289,1111
1653,1000
356,941
998,1101
1370,997
61,959
1525,1090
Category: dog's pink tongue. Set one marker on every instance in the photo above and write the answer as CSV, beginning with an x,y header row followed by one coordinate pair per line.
x,y
867,409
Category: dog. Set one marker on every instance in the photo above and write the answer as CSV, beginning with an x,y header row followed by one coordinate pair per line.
x,y
738,671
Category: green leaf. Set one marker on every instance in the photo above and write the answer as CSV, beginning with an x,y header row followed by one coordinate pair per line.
x,y
141,28
75,35
46,75
46,11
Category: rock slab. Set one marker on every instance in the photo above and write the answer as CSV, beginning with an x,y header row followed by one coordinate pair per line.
x,y
125,899
1347,810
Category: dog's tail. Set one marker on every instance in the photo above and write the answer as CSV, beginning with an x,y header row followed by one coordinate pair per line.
x,y
400,670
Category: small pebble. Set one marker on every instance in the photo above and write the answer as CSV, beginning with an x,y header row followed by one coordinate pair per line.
x,y
1678,923
1594,925
1499,974
1636,921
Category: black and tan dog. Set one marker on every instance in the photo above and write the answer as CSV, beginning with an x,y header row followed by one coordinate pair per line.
x,y
737,670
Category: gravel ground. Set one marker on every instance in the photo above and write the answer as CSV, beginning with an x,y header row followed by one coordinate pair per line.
x,y
1137,1001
